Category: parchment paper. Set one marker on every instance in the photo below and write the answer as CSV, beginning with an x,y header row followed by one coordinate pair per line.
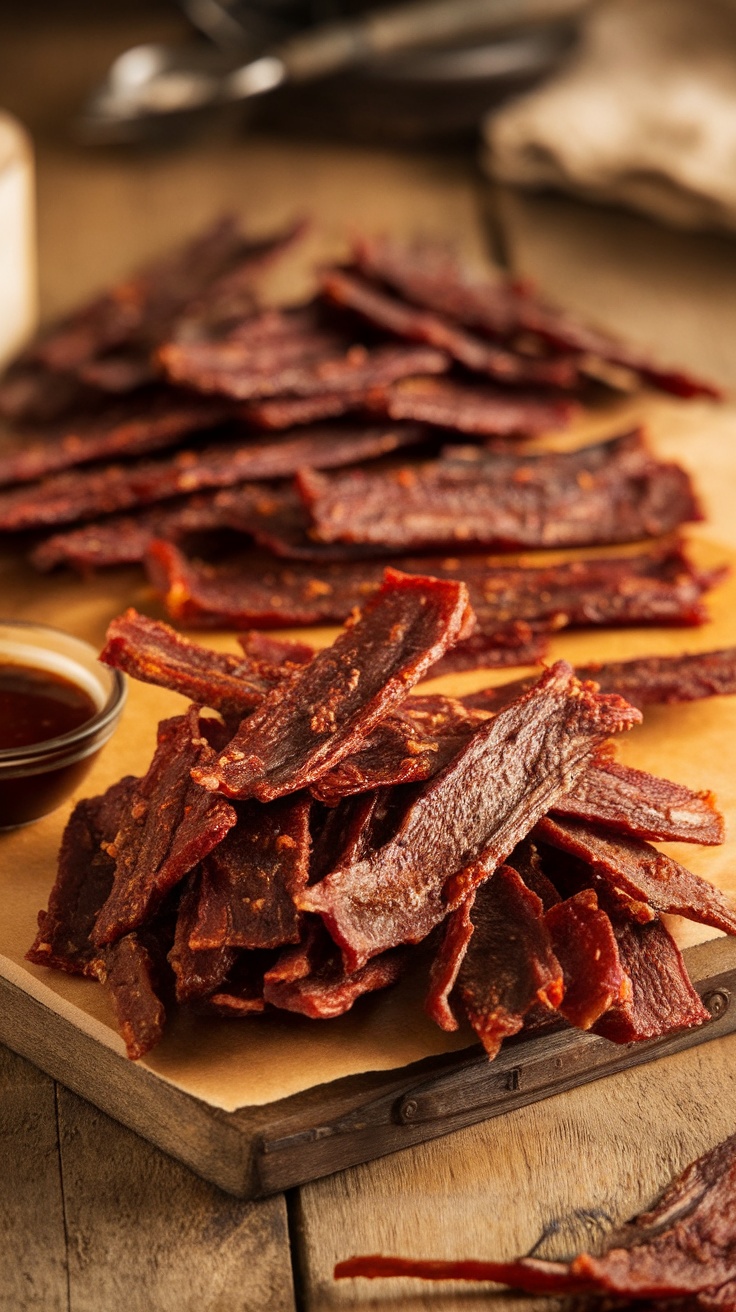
x,y
261,1059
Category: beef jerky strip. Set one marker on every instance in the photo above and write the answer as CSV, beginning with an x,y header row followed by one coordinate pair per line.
x,y
584,943
661,999
467,820
683,1246
509,964
515,645
130,429
279,522
250,881
275,651
346,831
171,826
312,980
82,494
322,365
155,653
630,801
613,492
652,680
199,973
639,879
479,411
430,277
128,970
324,710
289,411
351,291
83,882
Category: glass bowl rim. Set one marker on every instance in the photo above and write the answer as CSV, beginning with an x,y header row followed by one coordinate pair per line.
x,y
97,724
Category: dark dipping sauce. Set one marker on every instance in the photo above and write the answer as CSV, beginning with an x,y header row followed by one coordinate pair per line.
x,y
37,705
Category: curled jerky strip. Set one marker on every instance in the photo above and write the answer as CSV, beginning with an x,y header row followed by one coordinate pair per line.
x,y
327,708
634,802
466,821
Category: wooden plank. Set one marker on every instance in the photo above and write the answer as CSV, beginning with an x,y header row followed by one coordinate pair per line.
x,y
145,1233
33,1271
258,1151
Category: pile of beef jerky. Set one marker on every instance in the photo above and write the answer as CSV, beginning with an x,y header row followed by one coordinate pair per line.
x,y
264,463
290,850
678,1257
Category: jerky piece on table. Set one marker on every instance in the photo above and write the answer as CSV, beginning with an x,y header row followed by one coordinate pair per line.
x,y
83,882
279,522
638,878
466,821
584,943
413,743
345,288
311,978
249,883
275,651
198,972
683,1246
509,965
327,708
480,411
661,999
155,653
430,276
634,802
129,972
172,824
133,428
651,680
613,492
84,494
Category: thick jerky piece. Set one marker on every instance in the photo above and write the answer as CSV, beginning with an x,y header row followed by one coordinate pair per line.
x,y
431,277
350,291
198,972
312,980
250,881
171,826
509,964
413,743
651,680
155,653
585,945
637,877
83,882
661,999
481,411
83,494
275,651
634,802
142,425
325,709
129,972
467,820
613,492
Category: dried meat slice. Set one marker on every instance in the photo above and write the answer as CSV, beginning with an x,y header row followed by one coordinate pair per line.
x,y
289,411
275,651
171,826
584,943
630,801
249,883
327,708
661,999
479,411
199,972
84,494
509,964
648,680
613,492
83,882
638,878
443,973
311,979
129,972
466,821
155,653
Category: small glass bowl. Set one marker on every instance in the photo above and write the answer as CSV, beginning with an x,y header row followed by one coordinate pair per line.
x,y
34,780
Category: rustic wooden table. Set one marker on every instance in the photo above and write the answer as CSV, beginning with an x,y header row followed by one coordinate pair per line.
x,y
93,1217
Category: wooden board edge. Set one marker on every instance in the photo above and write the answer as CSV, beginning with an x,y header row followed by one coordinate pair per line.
x,y
257,1151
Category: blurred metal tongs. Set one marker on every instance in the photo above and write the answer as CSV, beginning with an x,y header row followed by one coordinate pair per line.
x,y
150,82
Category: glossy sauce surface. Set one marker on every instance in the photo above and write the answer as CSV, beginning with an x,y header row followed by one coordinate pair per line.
x,y
37,704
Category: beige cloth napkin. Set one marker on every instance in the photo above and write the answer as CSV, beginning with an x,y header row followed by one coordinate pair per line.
x,y
644,114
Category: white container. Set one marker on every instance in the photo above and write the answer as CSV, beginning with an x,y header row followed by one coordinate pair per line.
x,y
18,291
